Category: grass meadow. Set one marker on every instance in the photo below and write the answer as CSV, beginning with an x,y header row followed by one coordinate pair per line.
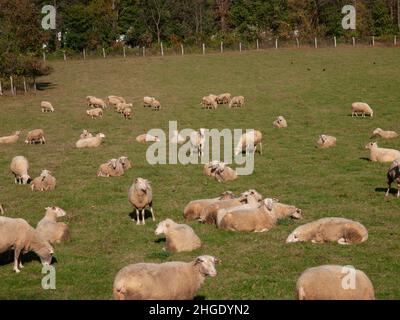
x,y
312,89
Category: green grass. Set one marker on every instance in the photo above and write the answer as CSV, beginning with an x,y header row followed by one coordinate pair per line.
x,y
333,182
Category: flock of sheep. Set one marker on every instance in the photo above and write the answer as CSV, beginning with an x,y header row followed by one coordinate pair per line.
x,y
247,212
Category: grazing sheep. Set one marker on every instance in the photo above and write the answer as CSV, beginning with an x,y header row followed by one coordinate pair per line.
x,y
393,174
51,230
44,182
124,161
194,208
197,140
237,102
224,98
92,142
378,132
17,234
122,106
328,282
179,237
10,139
115,100
127,113
176,138
280,122
249,141
95,113
85,134
361,107
19,167
382,154
156,105
140,195
343,231
148,101
112,168
35,136
96,102
143,138
324,141
166,281
46,106
209,102
1,209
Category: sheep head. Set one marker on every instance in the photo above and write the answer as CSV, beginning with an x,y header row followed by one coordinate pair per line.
x,y
371,145
163,226
58,211
206,265
141,184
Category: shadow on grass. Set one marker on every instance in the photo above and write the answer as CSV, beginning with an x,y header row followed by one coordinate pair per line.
x,y
45,86
199,298
392,191
8,258
365,158
159,240
147,214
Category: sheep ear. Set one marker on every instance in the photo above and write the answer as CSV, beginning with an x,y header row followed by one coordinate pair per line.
x,y
198,260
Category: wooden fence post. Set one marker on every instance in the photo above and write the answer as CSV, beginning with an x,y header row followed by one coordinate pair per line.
x,y
124,52
65,56
222,47
297,42
354,41
395,40
144,51
334,40
104,53
373,41
257,45
276,43
84,54
204,48
240,47
25,85
182,50
44,56
162,50
12,85
316,42
1,89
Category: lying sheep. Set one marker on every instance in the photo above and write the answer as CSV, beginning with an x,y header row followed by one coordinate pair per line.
x,y
124,161
343,231
249,141
382,154
328,282
378,132
112,168
361,107
209,102
280,122
147,101
35,136
224,98
224,173
19,167
143,138
179,237
10,139
194,208
324,141
46,106
237,102
210,168
393,174
44,182
92,142
85,134
127,113
96,102
115,100
156,105
176,138
51,230
197,141
140,195
95,113
166,281
18,235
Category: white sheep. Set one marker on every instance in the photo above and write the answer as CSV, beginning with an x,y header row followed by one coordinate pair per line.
x,y
334,282
124,161
280,122
112,168
18,235
35,136
140,195
51,230
166,281
96,102
324,141
224,173
122,106
95,113
143,138
92,142
156,105
115,100
44,182
19,167
179,237
249,141
197,140
378,132
237,102
147,101
127,113
361,107
10,139
209,102
381,154
85,134
224,98
46,106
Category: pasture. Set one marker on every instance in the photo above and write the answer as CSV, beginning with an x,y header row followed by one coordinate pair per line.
x,y
333,182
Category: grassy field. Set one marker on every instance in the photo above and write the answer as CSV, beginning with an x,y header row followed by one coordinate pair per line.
x,y
334,182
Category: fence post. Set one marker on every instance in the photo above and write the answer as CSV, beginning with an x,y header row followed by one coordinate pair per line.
x,y
373,41
297,42
12,85
44,56
1,89
124,52
240,47
395,40
334,40
144,51
354,41
316,42
222,47
25,85
84,54
257,45
104,53
204,48
276,43
182,50
65,56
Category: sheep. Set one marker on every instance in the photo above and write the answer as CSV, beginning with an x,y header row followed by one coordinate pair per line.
x,y
224,173
328,282
378,132
324,141
248,141
143,138
140,195
46,106
35,136
210,168
361,107
1,209
51,230
124,161
224,98
281,211
393,174
10,139
197,140
280,122
176,138
343,231
194,208
96,102
381,154
44,182
19,167
115,100
17,234
179,237
156,105
166,281
209,102
92,142
127,113
237,102
122,106
112,168
95,113
85,134
147,101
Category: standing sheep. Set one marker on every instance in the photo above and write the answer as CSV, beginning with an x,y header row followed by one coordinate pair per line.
x,y
10,139
19,167
35,136
122,106
51,230
224,98
115,100
92,142
378,132
179,237
249,141
156,105
325,141
46,106
44,182
112,168
127,113
381,154
209,102
393,174
328,282
361,107
280,122
340,230
237,102
95,113
140,195
166,281
147,101
17,234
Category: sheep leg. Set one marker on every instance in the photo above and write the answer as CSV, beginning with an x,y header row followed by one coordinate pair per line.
x,y
17,253
152,212
260,147
137,217
387,192
143,216
343,241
